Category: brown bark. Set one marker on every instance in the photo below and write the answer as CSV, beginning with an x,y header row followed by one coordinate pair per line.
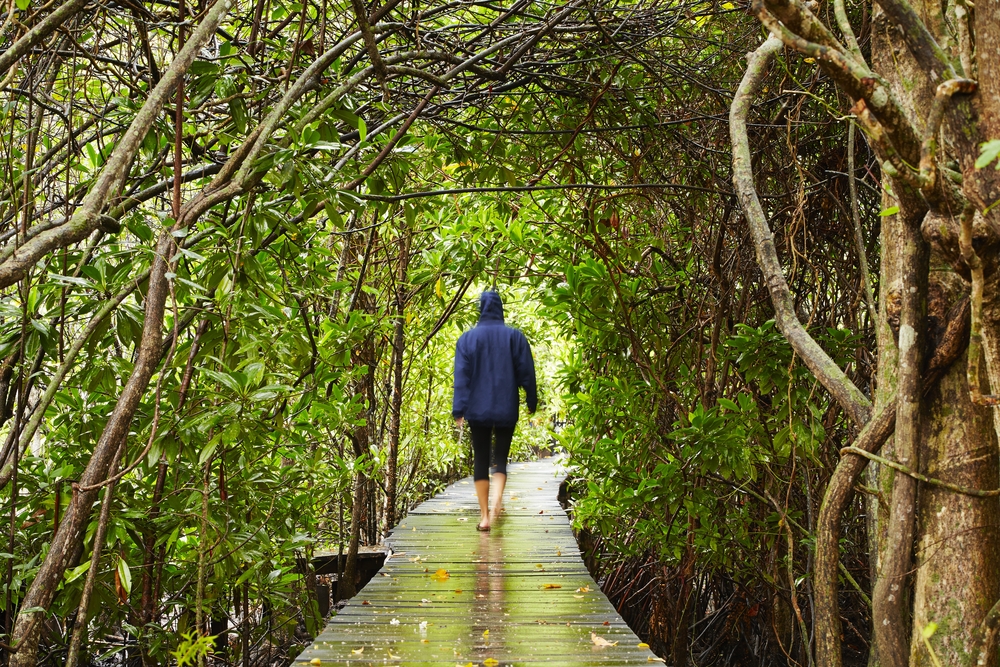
x,y
81,620
71,531
363,356
889,598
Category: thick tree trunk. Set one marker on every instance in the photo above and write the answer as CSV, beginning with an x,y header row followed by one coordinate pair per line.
x,y
957,579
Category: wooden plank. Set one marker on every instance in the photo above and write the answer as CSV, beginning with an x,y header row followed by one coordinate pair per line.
x,y
450,595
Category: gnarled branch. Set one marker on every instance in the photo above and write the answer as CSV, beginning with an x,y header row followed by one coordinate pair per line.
x,y
833,379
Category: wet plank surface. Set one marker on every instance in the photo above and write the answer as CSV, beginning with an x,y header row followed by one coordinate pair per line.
x,y
450,595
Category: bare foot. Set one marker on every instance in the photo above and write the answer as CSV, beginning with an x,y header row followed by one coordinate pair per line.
x,y
484,524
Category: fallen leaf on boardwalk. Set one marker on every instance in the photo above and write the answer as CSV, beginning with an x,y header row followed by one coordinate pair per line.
x,y
425,641
468,664
579,597
393,657
653,658
458,590
365,602
486,633
584,589
358,651
490,662
315,661
607,622
558,552
539,565
541,511
441,575
394,621
601,641
463,518
550,586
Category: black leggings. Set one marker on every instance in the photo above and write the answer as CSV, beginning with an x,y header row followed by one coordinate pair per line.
x,y
481,434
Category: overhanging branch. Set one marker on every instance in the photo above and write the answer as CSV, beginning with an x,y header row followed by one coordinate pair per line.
x,y
833,379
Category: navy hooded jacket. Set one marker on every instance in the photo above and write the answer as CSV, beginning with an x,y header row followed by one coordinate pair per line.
x,y
491,361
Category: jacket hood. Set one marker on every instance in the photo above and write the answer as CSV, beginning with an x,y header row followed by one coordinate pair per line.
x,y
490,307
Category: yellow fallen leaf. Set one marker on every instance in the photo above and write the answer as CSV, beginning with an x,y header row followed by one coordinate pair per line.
x,y
315,661
601,642
486,633
358,651
441,575
584,589
425,641
393,657
579,597
490,662
551,586
458,590
653,658
643,645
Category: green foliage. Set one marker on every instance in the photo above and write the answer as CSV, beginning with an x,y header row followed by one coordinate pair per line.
x,y
193,648
284,299
988,152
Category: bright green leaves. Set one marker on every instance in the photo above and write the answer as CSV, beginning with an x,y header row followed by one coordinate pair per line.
x,y
988,152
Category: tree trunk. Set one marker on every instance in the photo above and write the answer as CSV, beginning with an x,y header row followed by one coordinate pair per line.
x,y
69,538
347,586
396,407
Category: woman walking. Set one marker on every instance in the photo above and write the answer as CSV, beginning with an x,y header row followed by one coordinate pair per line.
x,y
492,361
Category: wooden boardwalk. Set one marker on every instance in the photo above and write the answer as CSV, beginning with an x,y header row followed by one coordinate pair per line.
x,y
449,595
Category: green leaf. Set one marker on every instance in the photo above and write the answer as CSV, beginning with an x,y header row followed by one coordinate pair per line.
x,y
988,152
125,575
77,572
892,210
210,448
23,4
729,405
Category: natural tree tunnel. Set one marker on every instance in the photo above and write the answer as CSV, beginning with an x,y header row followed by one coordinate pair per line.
x,y
752,246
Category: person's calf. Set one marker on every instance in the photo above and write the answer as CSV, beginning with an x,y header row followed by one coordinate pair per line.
x,y
483,496
499,482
